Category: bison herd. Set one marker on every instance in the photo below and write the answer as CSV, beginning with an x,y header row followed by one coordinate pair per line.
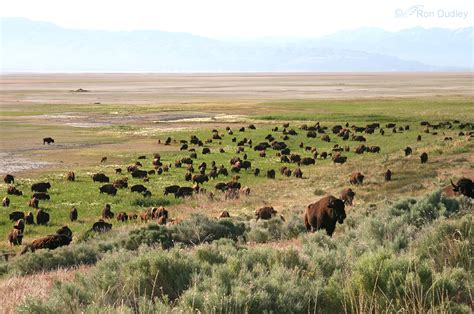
x,y
323,214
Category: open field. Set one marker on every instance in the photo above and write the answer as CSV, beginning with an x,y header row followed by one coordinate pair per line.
x,y
125,116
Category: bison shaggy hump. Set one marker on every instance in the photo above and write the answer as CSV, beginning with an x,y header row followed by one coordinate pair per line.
x,y
9,179
324,214
265,213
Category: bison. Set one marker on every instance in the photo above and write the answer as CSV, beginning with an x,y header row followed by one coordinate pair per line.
x,y
347,196
183,192
108,189
34,203
15,237
42,196
107,212
48,140
356,178
6,202
424,158
9,179
139,188
224,214
271,174
265,213
73,214
14,216
11,190
200,178
324,214
71,176
29,219
464,186
62,237
388,175
140,174
41,187
42,217
172,189
408,151
100,177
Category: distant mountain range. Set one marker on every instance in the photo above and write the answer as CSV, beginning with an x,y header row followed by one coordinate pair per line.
x,y
31,46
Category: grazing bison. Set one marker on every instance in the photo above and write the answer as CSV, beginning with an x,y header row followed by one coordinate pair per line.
x,y
71,176
6,202
464,186
256,172
118,170
298,173
388,175
100,177
139,174
103,159
14,216
200,178
42,217
139,188
172,189
108,189
374,149
48,140
73,214
20,225
418,138
347,196
324,214
356,178
183,192
11,190
308,161
9,179
107,212
29,219
338,159
424,158
42,196
265,213
271,174
221,186
121,183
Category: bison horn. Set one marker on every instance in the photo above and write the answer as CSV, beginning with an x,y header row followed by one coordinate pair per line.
x,y
454,185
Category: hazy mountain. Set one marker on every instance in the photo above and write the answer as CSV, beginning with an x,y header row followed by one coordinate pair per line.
x,y
37,46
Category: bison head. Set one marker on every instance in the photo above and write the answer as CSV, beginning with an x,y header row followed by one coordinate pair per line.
x,y
337,206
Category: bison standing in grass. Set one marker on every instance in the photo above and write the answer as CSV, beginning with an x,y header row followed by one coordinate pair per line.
x,y
9,179
265,213
324,214
464,186
100,177
108,189
71,176
107,212
42,217
73,214
6,202
48,140
347,196
388,175
356,178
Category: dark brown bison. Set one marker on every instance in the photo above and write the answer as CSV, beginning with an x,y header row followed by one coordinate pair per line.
x,y
464,186
356,178
73,214
34,203
374,149
6,202
11,190
121,183
418,138
118,170
9,179
42,217
183,192
42,196
62,237
200,178
172,189
307,161
140,174
424,158
338,159
360,149
29,219
48,140
71,176
221,186
108,189
388,175
100,177
347,196
103,159
101,226
324,214
271,174
160,212
265,213
139,188
14,216
256,172
15,237
408,151
107,212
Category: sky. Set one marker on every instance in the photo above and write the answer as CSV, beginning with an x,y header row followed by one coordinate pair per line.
x,y
244,18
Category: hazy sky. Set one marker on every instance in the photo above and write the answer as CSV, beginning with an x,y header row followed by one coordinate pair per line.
x,y
244,18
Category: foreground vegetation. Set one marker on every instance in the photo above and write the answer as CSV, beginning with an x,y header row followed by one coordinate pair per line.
x,y
411,256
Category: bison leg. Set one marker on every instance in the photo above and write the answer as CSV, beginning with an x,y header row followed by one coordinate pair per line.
x,y
307,224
